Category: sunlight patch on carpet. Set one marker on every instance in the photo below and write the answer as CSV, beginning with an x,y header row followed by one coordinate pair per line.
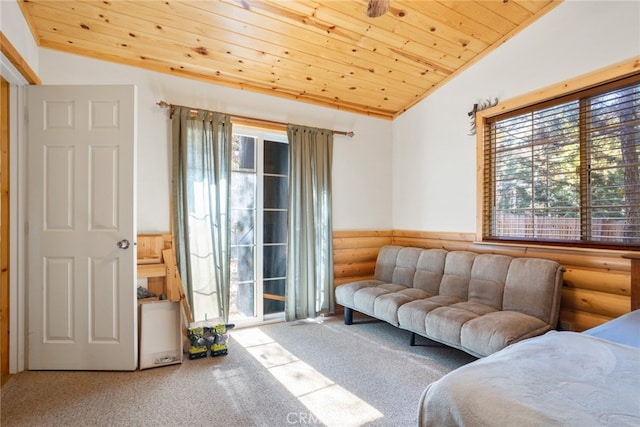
x,y
329,403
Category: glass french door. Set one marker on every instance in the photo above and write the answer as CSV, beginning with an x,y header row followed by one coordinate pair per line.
x,y
259,191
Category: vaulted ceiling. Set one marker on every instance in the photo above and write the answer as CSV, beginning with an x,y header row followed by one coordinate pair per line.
x,y
326,52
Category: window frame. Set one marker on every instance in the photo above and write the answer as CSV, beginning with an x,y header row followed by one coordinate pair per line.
x,y
538,99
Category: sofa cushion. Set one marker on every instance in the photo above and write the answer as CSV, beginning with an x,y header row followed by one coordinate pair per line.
x,y
386,306
345,293
364,299
487,334
474,307
411,315
444,324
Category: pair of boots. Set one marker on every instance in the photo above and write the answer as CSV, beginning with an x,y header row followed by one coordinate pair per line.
x,y
210,340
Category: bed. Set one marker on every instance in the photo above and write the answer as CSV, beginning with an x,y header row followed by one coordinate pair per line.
x,y
557,379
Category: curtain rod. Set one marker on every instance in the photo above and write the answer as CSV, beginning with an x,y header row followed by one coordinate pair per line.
x,y
164,104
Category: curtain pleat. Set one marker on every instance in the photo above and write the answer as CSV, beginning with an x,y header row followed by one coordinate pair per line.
x,y
201,165
309,289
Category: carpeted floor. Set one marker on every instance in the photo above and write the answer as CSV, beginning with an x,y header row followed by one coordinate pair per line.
x,y
317,372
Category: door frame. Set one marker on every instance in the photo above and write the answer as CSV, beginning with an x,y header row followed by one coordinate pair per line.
x,y
5,194
261,134
18,80
16,70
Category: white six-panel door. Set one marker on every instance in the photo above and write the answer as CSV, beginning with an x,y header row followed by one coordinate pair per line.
x,y
81,228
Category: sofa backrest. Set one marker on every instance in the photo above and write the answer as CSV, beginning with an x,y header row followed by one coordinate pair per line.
x,y
457,274
527,285
430,270
488,277
386,263
533,287
406,263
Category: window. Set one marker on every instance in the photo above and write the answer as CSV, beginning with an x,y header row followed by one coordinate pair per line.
x,y
259,197
566,171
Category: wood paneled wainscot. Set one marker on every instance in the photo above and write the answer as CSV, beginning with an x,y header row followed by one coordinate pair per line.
x,y
597,284
355,254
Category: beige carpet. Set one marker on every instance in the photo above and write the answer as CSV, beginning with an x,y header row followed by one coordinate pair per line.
x,y
299,373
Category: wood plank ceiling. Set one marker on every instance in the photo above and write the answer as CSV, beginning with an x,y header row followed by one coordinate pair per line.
x,y
323,52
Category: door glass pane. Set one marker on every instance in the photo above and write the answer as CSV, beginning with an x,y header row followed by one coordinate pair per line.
x,y
243,233
275,261
241,263
276,189
243,190
244,300
276,158
243,156
242,227
275,227
272,289
242,292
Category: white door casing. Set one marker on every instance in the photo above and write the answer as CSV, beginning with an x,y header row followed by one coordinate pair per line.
x,y
81,202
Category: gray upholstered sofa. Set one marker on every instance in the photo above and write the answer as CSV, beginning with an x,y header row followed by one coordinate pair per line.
x,y
478,303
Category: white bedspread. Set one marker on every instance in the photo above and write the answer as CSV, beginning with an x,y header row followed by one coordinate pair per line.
x,y
557,379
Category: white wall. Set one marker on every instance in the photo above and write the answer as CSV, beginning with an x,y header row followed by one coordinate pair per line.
x,y
361,168
16,30
434,159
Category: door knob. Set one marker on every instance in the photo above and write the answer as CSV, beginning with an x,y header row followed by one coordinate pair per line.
x,y
123,244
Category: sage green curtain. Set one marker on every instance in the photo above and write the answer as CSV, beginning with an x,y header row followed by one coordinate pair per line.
x,y
309,289
201,168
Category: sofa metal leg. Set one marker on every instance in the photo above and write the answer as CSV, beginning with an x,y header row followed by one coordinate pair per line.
x,y
428,342
348,316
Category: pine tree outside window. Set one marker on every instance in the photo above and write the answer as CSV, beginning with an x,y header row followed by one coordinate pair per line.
x,y
566,171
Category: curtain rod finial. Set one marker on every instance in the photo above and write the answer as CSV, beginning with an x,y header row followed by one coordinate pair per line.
x,y
163,104
350,134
